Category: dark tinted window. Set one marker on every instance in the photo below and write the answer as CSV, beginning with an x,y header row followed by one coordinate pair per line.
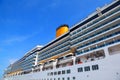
x,y
59,72
95,67
51,73
63,72
55,73
87,68
68,71
80,69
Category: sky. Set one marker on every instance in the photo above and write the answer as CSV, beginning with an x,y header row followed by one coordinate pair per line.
x,y
25,24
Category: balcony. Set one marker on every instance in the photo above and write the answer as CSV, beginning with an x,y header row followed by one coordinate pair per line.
x,y
100,46
108,14
98,28
95,26
97,34
105,38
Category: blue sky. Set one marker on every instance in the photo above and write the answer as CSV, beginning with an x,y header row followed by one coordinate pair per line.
x,y
27,23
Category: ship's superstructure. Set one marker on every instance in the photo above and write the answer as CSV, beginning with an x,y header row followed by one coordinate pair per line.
x,y
90,50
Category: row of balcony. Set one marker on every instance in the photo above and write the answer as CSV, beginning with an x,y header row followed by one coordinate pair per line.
x,y
103,32
53,48
57,53
97,28
100,39
99,46
95,21
65,44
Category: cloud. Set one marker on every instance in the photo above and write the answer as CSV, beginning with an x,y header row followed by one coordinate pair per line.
x,y
20,38
16,39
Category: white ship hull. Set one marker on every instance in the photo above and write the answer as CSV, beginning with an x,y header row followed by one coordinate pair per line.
x,y
109,69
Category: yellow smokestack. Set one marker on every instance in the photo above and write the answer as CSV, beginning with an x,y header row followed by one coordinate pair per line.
x,y
61,30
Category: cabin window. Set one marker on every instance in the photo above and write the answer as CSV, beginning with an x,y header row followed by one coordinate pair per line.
x,y
87,68
48,74
68,78
73,78
95,67
63,72
68,71
51,73
58,78
55,73
80,69
59,72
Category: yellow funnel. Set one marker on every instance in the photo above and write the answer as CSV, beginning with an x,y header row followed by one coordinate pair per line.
x,y
61,30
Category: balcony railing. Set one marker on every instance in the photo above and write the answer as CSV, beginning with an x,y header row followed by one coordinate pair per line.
x,y
97,34
115,10
98,27
101,39
100,46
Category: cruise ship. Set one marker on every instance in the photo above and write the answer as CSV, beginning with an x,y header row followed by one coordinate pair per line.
x,y
89,50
